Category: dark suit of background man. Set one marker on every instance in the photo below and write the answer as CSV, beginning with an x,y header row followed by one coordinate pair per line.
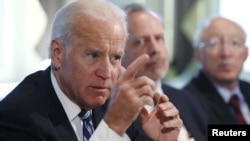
x,y
146,36
219,48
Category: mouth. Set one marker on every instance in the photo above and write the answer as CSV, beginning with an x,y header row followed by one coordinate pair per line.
x,y
101,88
226,66
154,64
155,61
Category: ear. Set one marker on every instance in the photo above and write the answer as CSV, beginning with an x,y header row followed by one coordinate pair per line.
x,y
245,53
56,51
197,54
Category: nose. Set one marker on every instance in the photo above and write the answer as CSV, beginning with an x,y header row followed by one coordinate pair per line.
x,y
104,69
153,46
226,49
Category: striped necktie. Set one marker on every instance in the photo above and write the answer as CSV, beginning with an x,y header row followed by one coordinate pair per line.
x,y
88,129
234,103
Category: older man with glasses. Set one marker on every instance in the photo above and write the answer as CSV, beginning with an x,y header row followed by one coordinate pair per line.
x,y
219,48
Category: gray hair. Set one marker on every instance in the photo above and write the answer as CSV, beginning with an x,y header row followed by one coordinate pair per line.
x,y
95,9
134,7
203,25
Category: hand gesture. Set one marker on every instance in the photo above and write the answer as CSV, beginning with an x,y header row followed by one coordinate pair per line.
x,y
128,96
163,123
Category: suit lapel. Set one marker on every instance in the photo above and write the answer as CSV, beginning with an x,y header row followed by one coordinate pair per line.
x,y
55,109
218,108
245,87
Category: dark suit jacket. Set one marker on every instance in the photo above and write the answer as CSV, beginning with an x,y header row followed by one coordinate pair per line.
x,y
193,116
216,108
33,112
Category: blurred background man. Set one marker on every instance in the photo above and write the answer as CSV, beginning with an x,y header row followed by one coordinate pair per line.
x,y
146,36
219,48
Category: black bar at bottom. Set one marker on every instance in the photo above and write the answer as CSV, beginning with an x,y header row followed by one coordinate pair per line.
x,y
238,132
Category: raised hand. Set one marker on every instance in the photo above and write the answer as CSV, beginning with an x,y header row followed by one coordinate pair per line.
x,y
128,96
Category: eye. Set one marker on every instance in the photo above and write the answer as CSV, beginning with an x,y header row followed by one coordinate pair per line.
x,y
212,43
139,42
116,58
94,55
235,43
159,38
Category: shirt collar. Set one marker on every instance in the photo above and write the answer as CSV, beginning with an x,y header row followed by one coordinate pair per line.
x,y
226,94
72,110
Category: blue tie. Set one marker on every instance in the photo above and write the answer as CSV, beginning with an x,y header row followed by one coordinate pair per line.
x,y
88,129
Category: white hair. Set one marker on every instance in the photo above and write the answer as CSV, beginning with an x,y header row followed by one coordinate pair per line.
x,y
205,24
134,7
95,9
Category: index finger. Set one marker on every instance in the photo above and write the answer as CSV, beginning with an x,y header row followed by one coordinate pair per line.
x,y
134,67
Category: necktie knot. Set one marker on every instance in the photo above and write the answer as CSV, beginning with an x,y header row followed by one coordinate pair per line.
x,y
234,101
85,115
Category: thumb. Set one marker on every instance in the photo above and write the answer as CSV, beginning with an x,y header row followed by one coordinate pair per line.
x,y
143,115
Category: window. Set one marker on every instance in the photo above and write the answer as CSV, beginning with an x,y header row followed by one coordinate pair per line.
x,y
237,10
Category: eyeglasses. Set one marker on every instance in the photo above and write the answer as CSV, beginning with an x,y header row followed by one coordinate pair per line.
x,y
216,43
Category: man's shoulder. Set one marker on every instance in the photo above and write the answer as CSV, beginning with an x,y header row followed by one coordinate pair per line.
x,y
25,93
244,82
244,87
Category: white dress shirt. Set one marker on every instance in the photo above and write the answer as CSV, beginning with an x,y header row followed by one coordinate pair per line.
x,y
101,133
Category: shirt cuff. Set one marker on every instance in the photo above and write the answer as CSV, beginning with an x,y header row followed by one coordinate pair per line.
x,y
104,133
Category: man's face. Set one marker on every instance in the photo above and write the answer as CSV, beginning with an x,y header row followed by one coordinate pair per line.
x,y
89,67
224,52
146,36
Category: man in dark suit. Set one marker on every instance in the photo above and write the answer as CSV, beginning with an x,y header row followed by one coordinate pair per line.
x,y
87,43
146,36
219,47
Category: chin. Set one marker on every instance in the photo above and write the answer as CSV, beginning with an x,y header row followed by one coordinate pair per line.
x,y
100,100
156,77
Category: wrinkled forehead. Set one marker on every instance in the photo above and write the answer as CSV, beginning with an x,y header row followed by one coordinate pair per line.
x,y
99,34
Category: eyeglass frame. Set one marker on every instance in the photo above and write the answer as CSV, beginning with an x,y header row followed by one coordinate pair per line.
x,y
216,42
